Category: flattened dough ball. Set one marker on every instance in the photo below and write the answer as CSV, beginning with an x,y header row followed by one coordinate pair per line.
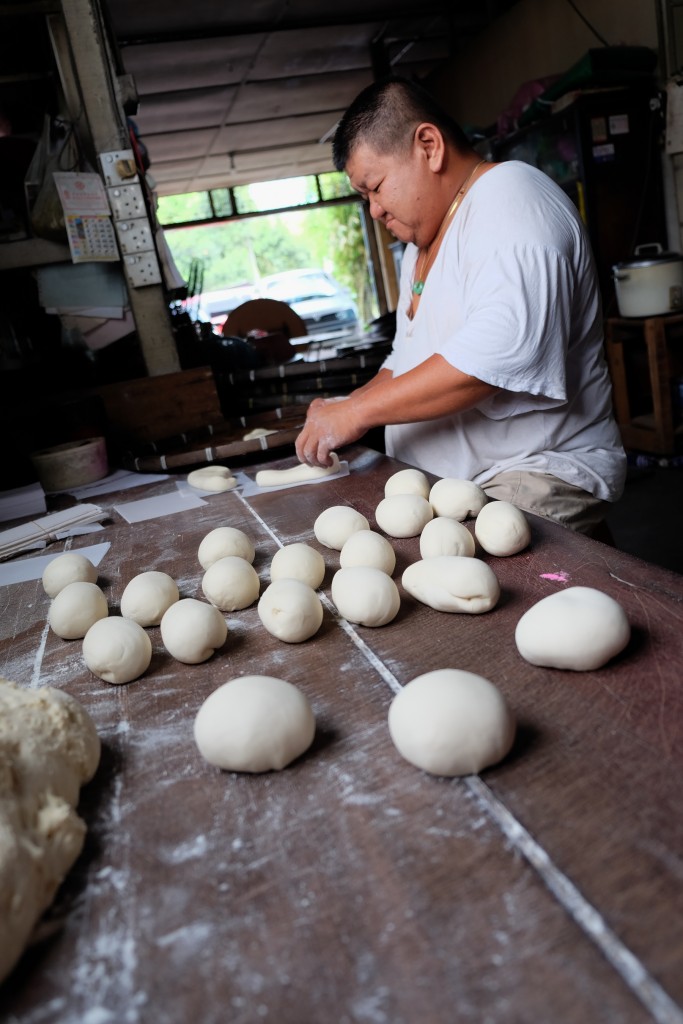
x,y
67,568
365,595
117,650
449,722
192,630
443,536
368,548
457,499
579,628
212,478
231,583
298,562
75,609
335,524
453,583
407,481
224,541
290,610
147,596
403,515
254,724
502,528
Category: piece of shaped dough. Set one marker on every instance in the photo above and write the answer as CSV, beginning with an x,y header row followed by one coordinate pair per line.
x,y
502,529
298,562
443,536
75,608
407,481
368,548
192,630
254,724
67,568
403,515
117,650
335,524
290,610
296,474
457,499
147,596
212,478
453,583
223,541
257,432
365,595
49,748
231,583
579,628
450,722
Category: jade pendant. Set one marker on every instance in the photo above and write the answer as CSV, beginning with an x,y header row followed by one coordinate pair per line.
x,y
418,287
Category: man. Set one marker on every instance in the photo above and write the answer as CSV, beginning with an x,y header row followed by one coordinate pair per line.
x,y
497,373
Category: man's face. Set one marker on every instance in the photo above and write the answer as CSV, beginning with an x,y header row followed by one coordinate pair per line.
x,y
395,186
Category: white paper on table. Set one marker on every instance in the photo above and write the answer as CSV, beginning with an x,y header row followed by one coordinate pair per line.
x,y
119,480
162,505
33,568
22,501
249,486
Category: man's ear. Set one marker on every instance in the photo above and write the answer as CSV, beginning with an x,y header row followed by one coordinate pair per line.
x,y
429,142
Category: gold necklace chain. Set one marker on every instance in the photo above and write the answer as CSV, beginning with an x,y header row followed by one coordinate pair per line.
x,y
428,255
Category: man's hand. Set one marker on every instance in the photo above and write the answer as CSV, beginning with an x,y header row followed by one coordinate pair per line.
x,y
330,424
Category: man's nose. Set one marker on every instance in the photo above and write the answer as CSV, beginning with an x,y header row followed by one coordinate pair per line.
x,y
376,210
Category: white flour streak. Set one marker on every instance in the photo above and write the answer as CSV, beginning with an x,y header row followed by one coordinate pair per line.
x,y
38,660
188,851
632,972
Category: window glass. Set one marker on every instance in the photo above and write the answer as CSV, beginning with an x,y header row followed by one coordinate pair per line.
x,y
181,208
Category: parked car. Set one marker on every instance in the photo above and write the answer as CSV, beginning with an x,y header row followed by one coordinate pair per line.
x,y
214,307
323,304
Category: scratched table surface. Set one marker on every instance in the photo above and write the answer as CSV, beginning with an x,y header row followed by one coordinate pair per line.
x,y
352,887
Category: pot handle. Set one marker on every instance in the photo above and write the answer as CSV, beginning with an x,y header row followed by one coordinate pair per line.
x,y
654,248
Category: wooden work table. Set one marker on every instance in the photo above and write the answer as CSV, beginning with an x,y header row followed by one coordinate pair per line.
x,y
352,888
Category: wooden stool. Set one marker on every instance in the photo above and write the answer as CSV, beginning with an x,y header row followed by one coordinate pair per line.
x,y
643,395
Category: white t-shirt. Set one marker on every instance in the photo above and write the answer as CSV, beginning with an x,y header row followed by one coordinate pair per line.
x,y
512,299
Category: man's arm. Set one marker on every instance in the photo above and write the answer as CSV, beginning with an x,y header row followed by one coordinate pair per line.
x,y
429,391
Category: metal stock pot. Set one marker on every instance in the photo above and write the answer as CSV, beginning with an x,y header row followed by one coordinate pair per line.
x,y
651,284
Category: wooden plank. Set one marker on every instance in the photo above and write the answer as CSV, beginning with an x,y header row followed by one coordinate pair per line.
x,y
352,886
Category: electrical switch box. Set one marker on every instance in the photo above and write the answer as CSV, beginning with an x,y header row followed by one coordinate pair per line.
x,y
126,202
142,269
119,167
134,235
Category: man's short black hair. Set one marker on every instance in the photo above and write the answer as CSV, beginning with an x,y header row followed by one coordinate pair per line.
x,y
386,114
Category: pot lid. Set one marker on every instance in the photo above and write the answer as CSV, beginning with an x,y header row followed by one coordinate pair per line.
x,y
652,258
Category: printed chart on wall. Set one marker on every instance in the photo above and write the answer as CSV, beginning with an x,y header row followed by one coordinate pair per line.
x,y
87,217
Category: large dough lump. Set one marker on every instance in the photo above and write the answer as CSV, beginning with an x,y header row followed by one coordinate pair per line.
x,y
70,567
75,608
579,628
403,515
290,610
48,749
334,526
368,548
231,583
502,528
192,630
453,583
457,499
298,561
365,595
407,481
147,596
224,541
254,724
117,650
449,722
443,536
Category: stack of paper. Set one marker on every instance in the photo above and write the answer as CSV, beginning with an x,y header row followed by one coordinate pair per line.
x,y
22,501
28,535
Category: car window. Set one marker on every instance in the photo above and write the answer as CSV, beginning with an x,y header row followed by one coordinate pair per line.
x,y
301,289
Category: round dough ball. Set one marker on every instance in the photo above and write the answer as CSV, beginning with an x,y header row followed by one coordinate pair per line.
x,y
457,499
403,515
290,610
76,608
254,724
368,548
147,596
365,595
453,583
298,562
502,528
442,536
117,650
449,722
67,568
231,583
579,628
212,478
192,630
407,481
334,526
224,541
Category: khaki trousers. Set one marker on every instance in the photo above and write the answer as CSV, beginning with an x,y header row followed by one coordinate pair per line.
x,y
546,496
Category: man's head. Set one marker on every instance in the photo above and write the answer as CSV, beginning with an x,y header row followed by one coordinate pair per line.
x,y
385,115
